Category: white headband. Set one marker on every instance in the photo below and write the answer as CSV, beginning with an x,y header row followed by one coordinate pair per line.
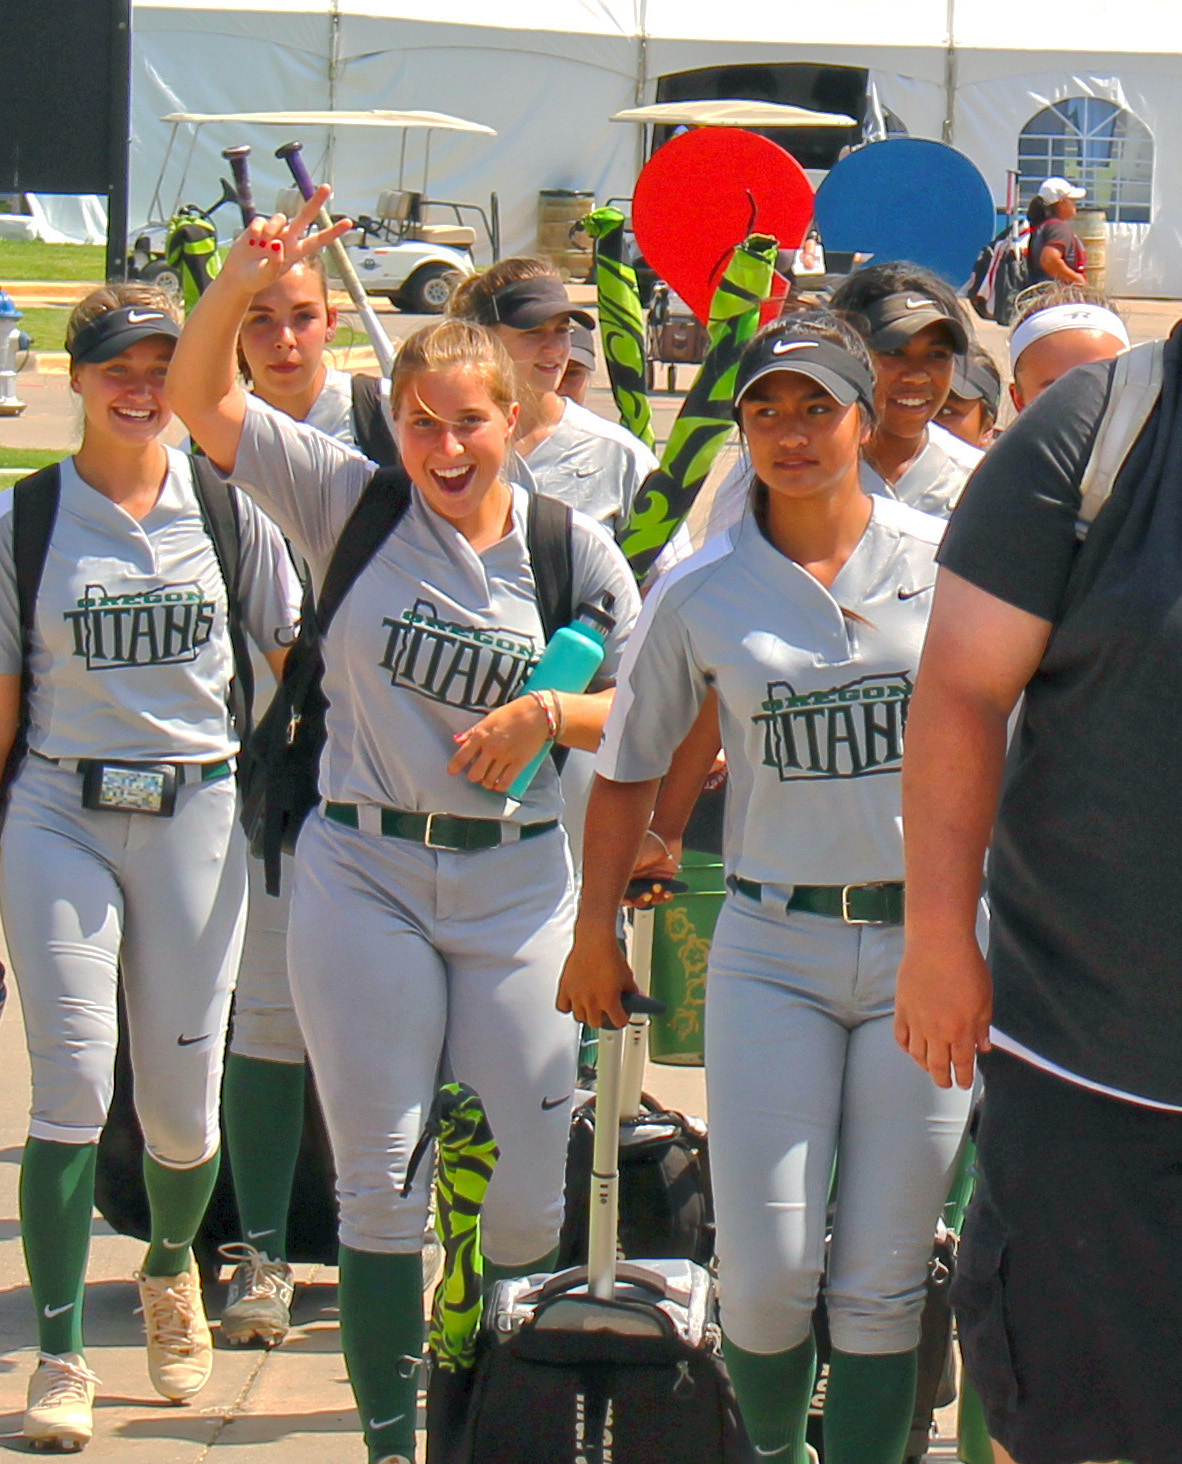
x,y
1065,317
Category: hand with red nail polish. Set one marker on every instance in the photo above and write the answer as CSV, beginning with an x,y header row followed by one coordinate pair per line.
x,y
278,242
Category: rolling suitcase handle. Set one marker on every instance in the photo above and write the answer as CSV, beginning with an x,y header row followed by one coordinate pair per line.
x,y
603,1231
636,1032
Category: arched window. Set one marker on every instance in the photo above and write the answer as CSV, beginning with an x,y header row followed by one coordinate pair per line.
x,y
1097,145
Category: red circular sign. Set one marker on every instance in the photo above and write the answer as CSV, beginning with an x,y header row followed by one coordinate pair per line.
x,y
701,195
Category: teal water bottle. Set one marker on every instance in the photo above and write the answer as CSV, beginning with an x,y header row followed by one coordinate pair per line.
x,y
568,663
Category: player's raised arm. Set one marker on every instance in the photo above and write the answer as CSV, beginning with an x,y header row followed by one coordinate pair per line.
x,y
203,387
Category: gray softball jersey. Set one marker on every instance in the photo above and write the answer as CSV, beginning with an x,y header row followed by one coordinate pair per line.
x,y
131,657
813,703
431,637
595,465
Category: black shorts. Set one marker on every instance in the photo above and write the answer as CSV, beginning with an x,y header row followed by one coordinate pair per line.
x,y
1068,1293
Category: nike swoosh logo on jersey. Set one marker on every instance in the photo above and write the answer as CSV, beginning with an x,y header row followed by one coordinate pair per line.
x,y
141,317
258,1234
56,1311
771,1453
919,304
781,348
584,472
549,1103
183,1041
911,594
174,1244
388,1422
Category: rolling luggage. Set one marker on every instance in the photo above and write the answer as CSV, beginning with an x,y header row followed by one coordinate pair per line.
x,y
666,1207
609,1363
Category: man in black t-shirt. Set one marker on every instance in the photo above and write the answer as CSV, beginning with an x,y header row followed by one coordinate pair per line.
x,y
1055,251
1069,1293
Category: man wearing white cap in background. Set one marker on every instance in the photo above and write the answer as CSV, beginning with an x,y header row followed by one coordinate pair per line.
x,y
1055,250
1063,328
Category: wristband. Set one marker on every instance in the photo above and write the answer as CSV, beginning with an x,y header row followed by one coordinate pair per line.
x,y
551,720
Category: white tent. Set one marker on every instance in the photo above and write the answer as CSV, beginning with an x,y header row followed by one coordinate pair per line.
x,y
547,77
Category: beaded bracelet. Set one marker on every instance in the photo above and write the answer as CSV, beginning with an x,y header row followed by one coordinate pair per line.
x,y
551,720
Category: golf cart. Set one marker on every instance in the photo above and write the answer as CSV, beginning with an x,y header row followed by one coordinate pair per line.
x,y
405,253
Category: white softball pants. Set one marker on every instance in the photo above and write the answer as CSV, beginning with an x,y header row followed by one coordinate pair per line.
x,y
90,898
409,963
802,1068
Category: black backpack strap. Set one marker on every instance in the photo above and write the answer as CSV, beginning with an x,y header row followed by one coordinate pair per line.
x,y
548,537
370,426
383,502
219,512
34,512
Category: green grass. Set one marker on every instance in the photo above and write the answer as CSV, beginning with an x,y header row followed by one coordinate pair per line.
x,y
24,259
28,457
46,325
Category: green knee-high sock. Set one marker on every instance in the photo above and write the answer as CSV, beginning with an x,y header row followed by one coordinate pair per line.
x,y
57,1198
263,1103
773,1392
178,1199
492,1273
868,1408
381,1302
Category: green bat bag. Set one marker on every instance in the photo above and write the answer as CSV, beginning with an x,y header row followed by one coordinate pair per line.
x,y
701,428
621,321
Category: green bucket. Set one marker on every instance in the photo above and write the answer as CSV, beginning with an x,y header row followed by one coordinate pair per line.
x,y
682,932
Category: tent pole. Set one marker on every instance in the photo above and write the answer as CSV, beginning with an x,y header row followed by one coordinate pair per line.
x,y
949,131
641,79
334,65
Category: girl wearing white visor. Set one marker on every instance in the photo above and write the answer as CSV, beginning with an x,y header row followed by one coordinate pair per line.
x,y
806,618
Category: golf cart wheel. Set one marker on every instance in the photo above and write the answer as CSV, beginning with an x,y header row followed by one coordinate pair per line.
x,y
165,277
429,289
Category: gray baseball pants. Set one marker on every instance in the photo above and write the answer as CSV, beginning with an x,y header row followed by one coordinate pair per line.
x,y
802,1069
409,963
89,898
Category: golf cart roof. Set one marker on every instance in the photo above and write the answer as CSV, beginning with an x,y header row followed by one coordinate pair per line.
x,y
433,120
732,113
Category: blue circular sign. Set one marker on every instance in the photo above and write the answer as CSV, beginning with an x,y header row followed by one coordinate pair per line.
x,y
907,198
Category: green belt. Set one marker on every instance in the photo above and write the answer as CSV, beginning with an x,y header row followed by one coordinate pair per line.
x,y
868,904
442,830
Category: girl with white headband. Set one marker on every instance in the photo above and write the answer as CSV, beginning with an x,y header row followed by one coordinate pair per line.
x,y
1060,329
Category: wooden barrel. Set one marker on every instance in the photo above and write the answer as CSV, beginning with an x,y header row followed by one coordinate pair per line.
x,y
1092,227
558,209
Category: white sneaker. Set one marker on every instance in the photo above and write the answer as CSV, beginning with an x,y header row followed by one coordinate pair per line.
x,y
180,1348
61,1395
258,1307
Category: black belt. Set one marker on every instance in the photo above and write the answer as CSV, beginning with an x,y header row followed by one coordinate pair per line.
x,y
435,830
865,904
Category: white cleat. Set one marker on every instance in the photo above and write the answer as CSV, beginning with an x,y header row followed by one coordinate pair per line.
x,y
58,1415
180,1348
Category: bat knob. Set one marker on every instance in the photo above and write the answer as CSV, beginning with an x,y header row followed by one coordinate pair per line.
x,y
288,149
241,151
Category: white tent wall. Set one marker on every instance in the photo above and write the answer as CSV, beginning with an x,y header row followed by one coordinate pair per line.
x,y
550,74
548,95
993,104
205,58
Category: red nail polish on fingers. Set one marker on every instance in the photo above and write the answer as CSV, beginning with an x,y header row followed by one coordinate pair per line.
x,y
276,246
252,242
